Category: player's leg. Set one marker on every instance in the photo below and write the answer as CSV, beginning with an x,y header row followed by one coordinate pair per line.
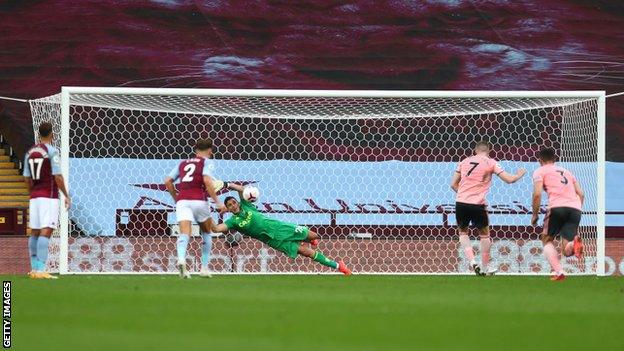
x,y
206,248
550,252
463,218
552,225
181,247
43,244
485,247
481,220
48,219
313,238
318,256
572,242
567,247
566,232
201,212
35,230
183,239
464,241
32,251
184,215
291,242
578,246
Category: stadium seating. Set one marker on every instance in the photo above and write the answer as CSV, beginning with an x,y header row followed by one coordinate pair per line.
x,y
13,191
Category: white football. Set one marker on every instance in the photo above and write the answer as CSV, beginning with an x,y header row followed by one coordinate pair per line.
x,y
251,193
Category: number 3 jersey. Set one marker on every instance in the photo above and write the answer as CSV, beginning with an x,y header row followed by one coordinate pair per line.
x,y
191,173
41,164
476,178
559,185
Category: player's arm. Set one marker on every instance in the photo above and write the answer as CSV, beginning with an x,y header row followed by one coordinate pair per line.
x,y
536,201
29,183
55,161
511,178
579,192
236,187
26,174
60,182
169,180
217,228
455,181
171,188
209,184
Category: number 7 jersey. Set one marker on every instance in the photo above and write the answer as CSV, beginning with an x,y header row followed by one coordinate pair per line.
x,y
41,164
191,173
476,178
558,183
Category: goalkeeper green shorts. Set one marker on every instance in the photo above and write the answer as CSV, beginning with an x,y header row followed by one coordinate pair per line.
x,y
290,245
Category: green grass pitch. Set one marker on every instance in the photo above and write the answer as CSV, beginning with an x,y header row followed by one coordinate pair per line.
x,y
317,313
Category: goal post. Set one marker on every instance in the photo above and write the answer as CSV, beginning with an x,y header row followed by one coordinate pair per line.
x,y
368,170
601,184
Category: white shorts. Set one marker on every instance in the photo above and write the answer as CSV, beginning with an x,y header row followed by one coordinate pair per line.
x,y
44,213
189,210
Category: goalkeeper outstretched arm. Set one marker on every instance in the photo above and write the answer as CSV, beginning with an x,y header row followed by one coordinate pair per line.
x,y
236,187
223,228
217,228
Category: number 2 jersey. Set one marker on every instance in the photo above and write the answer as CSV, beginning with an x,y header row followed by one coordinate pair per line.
x,y
41,164
558,183
191,173
476,178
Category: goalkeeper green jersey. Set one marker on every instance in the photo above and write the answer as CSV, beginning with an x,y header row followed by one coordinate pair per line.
x,y
251,222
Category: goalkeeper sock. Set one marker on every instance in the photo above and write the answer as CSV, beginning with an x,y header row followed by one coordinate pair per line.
x,y
464,240
320,258
32,250
206,247
181,245
42,252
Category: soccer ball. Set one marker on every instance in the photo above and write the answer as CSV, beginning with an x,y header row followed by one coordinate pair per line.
x,y
251,193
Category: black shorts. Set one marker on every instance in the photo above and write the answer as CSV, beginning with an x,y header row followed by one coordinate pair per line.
x,y
563,221
467,213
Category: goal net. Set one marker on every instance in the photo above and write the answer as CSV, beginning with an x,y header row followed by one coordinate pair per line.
x,y
367,170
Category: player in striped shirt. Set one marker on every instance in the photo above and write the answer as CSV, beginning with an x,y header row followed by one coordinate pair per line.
x,y
471,181
565,200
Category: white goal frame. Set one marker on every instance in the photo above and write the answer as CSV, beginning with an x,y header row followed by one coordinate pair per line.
x,y
66,91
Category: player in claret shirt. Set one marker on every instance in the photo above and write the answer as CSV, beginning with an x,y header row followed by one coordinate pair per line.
x,y
196,183
471,181
42,174
565,200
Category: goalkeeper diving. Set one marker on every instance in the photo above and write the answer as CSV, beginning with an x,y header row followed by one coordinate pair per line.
x,y
282,236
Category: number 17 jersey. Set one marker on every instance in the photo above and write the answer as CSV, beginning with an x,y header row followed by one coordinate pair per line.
x,y
191,173
41,164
